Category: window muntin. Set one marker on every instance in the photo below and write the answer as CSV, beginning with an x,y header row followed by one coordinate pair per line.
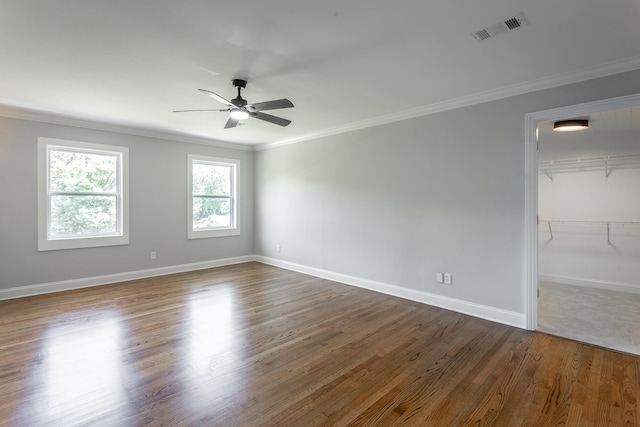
x,y
83,190
213,202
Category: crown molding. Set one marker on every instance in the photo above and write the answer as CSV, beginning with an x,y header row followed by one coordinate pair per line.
x,y
550,82
557,80
44,117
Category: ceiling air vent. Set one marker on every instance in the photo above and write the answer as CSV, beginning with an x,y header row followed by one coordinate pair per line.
x,y
508,24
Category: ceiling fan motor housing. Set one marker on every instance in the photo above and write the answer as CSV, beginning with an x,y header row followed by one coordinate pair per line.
x,y
239,102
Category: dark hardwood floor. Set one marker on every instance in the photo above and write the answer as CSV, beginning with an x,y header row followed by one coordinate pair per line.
x,y
254,345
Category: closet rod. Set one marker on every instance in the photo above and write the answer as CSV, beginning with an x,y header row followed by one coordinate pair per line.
x,y
608,224
592,223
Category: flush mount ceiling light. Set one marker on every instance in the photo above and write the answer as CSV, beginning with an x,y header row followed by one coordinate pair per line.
x,y
238,114
571,125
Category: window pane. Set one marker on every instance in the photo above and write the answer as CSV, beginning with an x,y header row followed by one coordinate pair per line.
x,y
211,213
82,216
73,172
211,179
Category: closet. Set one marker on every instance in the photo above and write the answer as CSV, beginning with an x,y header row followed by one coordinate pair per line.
x,y
589,231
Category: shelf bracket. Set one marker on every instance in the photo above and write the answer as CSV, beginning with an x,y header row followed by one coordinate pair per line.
x,y
549,174
607,172
608,235
550,231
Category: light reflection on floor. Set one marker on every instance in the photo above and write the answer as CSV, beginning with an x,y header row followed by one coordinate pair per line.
x,y
93,367
83,368
214,347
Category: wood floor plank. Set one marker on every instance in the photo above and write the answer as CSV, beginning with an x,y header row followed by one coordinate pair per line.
x,y
255,345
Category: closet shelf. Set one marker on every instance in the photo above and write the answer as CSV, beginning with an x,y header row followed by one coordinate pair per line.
x,y
608,224
606,163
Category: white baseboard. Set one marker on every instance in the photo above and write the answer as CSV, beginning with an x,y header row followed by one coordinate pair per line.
x,y
66,285
573,281
477,310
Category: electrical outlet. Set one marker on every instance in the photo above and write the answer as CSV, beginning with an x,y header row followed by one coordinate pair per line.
x,y
447,278
440,277
278,248
153,255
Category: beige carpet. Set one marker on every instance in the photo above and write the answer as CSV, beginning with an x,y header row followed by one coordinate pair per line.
x,y
605,318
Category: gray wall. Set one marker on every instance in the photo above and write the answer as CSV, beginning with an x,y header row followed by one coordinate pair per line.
x,y
393,203
158,206
398,202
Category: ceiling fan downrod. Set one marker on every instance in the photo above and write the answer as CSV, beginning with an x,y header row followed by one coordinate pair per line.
x,y
239,101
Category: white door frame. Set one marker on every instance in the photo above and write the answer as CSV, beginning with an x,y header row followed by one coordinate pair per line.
x,y
531,186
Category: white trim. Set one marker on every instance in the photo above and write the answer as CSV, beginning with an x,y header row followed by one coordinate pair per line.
x,y
56,119
588,73
586,283
531,186
50,244
477,310
67,285
531,223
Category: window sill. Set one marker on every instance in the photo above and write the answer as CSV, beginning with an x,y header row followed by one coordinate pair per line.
x,y
83,242
205,234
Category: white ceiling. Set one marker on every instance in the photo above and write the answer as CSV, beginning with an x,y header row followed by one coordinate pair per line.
x,y
343,64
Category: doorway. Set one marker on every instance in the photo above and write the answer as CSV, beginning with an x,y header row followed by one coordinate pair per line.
x,y
535,123
589,230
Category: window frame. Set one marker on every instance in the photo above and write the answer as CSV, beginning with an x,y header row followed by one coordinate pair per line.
x,y
234,228
121,237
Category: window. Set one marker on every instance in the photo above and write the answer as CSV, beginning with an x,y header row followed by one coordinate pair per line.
x,y
213,197
82,195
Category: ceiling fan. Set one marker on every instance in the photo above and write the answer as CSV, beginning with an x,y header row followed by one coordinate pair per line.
x,y
239,109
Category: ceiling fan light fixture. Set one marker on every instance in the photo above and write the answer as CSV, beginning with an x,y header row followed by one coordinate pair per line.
x,y
571,125
238,114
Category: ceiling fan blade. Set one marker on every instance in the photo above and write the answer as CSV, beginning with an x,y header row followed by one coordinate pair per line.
x,y
271,119
231,123
216,97
272,105
198,111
